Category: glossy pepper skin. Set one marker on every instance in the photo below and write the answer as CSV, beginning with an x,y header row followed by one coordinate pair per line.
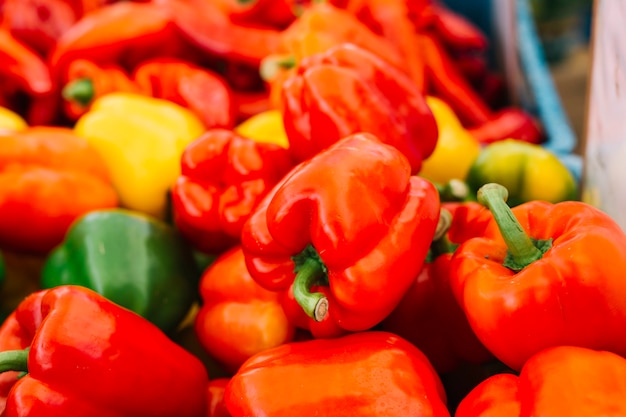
x,y
49,176
223,177
558,381
542,275
132,259
87,81
77,338
238,318
39,23
22,71
429,315
124,33
208,27
347,90
141,140
528,171
200,90
361,226
355,375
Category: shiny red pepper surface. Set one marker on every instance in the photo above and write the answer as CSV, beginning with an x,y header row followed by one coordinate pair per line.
x,y
374,374
352,218
91,357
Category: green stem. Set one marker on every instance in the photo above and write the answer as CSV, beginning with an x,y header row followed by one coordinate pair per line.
x,y
80,91
454,190
315,305
273,64
522,250
14,360
441,244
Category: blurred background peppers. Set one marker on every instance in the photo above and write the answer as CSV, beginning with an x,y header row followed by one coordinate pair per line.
x,y
141,140
26,84
347,90
223,178
528,171
49,176
130,258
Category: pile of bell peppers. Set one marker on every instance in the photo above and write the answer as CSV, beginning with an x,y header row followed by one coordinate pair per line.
x,y
216,208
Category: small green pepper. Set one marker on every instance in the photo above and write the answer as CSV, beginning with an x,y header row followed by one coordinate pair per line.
x,y
133,259
528,171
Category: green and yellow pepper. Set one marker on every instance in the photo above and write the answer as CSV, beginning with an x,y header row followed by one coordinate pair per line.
x,y
141,140
130,258
528,171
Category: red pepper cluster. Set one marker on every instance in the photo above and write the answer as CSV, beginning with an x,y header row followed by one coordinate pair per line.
x,y
342,283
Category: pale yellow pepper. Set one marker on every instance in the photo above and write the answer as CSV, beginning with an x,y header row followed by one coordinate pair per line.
x,y
456,148
141,140
11,121
266,127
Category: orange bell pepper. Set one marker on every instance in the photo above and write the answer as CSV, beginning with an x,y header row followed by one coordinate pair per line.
x,y
543,275
238,318
374,374
556,382
48,177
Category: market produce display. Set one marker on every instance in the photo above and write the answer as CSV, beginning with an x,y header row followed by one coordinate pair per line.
x,y
214,208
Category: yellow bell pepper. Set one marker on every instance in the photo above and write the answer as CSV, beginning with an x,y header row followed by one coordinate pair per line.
x,y
456,148
11,121
141,140
266,127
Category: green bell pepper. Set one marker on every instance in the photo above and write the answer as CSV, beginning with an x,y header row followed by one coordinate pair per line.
x,y
530,172
134,260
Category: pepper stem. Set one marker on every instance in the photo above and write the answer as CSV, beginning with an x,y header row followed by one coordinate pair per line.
x,y
14,360
522,249
272,65
310,270
315,305
80,91
441,244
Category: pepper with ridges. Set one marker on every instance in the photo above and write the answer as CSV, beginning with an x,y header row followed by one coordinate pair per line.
x,y
352,218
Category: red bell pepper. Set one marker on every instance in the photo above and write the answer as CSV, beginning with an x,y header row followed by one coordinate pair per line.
x,y
86,81
351,218
123,33
348,90
372,374
23,74
215,392
274,13
391,18
558,381
69,339
543,275
506,124
429,316
455,31
238,318
223,177
39,23
204,24
48,178
202,91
